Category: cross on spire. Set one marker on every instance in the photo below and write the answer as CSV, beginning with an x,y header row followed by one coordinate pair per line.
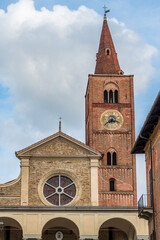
x,y
60,124
105,8
105,11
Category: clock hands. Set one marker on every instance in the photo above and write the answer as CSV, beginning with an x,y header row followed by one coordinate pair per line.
x,y
111,120
106,123
117,121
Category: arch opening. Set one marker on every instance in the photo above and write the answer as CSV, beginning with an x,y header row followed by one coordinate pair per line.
x,y
67,227
112,184
114,158
10,229
116,96
117,229
108,158
105,96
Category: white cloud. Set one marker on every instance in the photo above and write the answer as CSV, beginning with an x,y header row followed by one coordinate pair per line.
x,y
45,57
135,55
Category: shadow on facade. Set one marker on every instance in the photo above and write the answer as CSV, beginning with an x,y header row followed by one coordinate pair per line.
x,y
10,229
117,229
68,228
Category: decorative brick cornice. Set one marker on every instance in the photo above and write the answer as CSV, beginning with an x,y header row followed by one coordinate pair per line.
x,y
110,106
110,132
116,167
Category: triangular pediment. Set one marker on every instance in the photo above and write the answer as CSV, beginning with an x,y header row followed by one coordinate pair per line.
x,y
58,144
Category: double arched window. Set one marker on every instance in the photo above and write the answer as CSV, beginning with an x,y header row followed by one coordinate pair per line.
x,y
111,158
111,96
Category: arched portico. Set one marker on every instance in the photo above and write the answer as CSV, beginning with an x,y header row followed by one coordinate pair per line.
x,y
33,221
67,227
117,229
10,229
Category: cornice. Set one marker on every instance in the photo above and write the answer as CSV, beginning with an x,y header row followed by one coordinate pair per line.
x,y
110,75
110,132
50,209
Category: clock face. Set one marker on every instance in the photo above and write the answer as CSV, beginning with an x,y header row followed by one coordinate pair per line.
x,y
112,119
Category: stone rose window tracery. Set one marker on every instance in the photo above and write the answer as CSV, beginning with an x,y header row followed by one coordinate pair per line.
x,y
59,190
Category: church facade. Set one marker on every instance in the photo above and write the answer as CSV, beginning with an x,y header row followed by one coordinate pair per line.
x,y
71,190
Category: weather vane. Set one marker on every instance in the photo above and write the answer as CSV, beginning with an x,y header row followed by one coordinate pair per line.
x,y
105,10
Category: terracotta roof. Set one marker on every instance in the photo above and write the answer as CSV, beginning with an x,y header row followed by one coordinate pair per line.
x,y
107,63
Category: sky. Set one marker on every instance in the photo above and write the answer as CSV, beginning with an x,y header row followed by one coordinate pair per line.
x,y
47,50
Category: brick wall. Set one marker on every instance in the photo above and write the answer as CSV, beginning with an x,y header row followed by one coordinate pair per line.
x,y
10,195
41,166
155,143
121,140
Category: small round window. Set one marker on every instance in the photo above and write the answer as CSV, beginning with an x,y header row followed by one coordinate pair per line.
x,y
59,190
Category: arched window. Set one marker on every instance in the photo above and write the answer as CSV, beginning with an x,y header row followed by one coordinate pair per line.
x,y
116,96
114,156
105,96
107,51
109,158
110,96
112,184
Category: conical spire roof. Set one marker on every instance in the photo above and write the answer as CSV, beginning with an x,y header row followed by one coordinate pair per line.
x,y
107,61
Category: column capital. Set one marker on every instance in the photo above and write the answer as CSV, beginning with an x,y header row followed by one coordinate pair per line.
x,y
94,163
28,236
24,162
142,237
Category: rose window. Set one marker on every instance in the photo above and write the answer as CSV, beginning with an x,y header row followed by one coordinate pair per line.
x,y
59,190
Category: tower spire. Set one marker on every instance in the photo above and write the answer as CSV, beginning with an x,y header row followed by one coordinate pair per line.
x,y
107,61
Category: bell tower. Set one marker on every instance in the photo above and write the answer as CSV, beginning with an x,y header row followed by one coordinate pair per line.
x,y
110,127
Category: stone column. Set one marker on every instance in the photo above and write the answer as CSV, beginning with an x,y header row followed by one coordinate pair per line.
x,y
24,181
113,96
94,163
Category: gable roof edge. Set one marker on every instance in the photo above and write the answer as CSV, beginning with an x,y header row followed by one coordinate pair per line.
x,y
58,134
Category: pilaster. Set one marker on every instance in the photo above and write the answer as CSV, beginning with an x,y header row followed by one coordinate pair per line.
x,y
94,164
24,181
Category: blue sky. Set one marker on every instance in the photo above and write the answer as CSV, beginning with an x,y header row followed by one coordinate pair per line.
x,y
41,41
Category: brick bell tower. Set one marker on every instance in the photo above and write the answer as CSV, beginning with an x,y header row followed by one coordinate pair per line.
x,y
110,127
